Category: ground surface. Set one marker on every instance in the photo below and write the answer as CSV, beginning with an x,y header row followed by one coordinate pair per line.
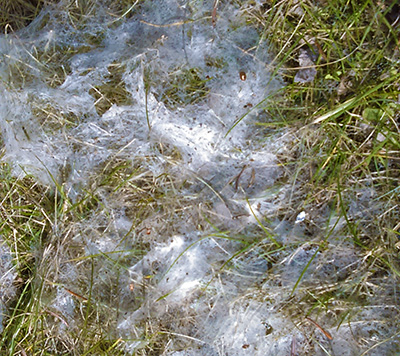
x,y
201,178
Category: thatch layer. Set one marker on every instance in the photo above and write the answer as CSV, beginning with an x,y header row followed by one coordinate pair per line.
x,y
15,14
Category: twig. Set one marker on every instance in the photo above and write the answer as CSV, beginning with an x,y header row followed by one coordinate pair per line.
x,y
214,13
76,294
327,334
293,347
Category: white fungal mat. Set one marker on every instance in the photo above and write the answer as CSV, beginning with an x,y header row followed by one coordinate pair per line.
x,y
197,271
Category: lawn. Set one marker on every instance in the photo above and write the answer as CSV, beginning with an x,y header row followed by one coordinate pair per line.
x,y
217,177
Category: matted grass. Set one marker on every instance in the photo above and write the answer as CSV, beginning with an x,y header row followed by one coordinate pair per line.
x,y
347,154
343,167
15,14
347,117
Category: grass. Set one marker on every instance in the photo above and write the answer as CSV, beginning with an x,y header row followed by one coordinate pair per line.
x,y
343,169
38,225
112,91
348,140
18,13
347,123
184,87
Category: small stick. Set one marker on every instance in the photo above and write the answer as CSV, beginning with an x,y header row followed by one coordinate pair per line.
x,y
253,178
320,50
57,316
23,352
76,294
293,348
179,23
214,13
238,177
327,334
